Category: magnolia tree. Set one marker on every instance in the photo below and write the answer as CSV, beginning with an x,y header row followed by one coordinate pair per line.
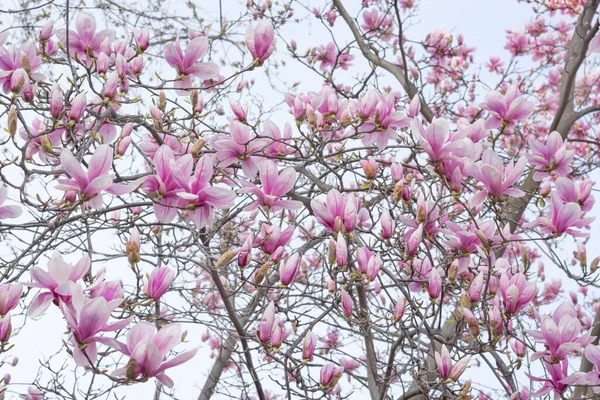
x,y
381,226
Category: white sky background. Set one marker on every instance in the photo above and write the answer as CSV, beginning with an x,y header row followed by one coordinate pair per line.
x,y
483,24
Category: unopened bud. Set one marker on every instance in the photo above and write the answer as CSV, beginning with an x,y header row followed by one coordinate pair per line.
x,y
12,121
331,251
162,101
197,147
261,273
226,258
132,251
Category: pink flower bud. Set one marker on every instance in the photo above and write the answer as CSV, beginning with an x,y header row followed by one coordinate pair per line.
x,y
387,224
370,167
435,283
443,362
78,107
261,41
265,326
350,214
374,267
142,39
6,379
518,347
47,30
5,328
239,110
159,282
330,375
136,65
308,346
111,85
341,251
414,240
245,253
10,293
346,304
363,256
56,102
17,80
476,288
123,145
399,309
121,66
289,269
459,368
414,107
397,172
102,63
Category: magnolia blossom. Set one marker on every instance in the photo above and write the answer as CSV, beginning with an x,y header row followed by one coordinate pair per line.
x,y
446,368
159,282
274,185
261,41
552,157
507,108
496,177
60,281
187,64
147,350
85,43
90,184
516,292
86,320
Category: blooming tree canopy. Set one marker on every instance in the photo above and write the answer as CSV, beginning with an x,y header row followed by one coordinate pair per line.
x,y
402,220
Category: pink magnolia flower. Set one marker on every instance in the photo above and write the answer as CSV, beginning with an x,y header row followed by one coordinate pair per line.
x,y
339,211
111,291
271,240
86,321
308,346
553,384
90,184
434,285
289,269
592,378
8,211
516,292
552,157
346,304
60,281
507,108
369,167
575,192
274,185
11,60
5,328
10,293
496,177
147,349
565,218
561,334
242,145
270,331
187,64
446,368
199,195
159,282
387,224
330,375
163,188
245,253
341,251
330,57
382,119
399,309
86,43
436,139
278,142
261,41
